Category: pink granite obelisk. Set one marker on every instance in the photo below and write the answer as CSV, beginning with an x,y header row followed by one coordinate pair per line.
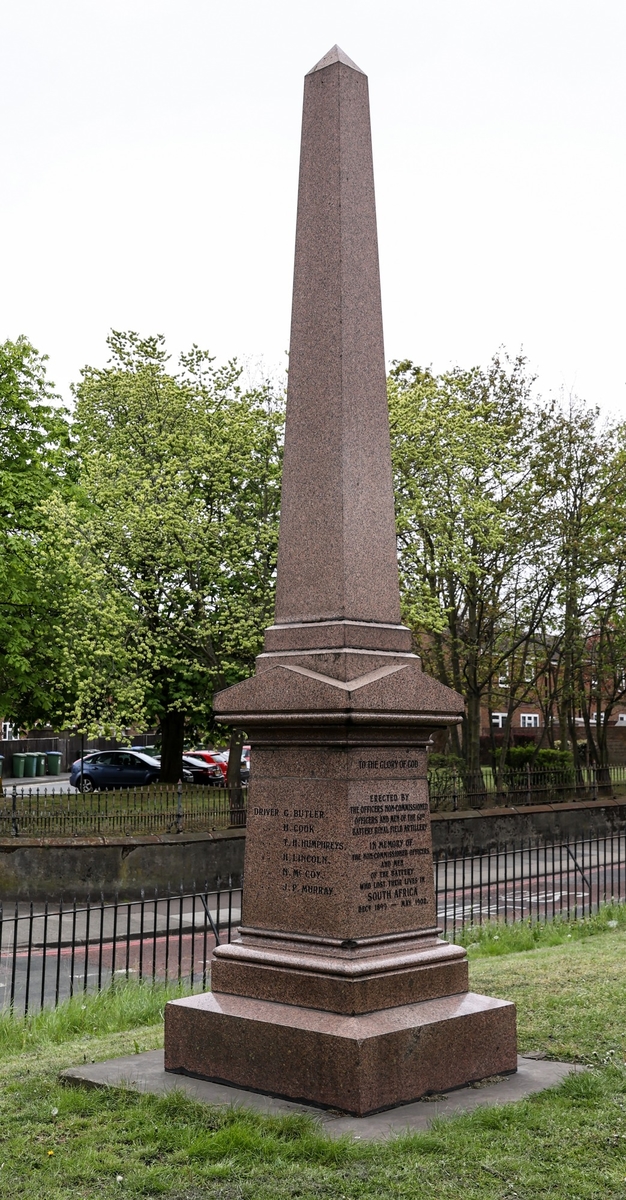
x,y
340,991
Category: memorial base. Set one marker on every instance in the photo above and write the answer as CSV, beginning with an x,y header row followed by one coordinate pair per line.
x,y
374,973
358,1064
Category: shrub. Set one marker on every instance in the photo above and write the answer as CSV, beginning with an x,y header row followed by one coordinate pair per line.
x,y
518,756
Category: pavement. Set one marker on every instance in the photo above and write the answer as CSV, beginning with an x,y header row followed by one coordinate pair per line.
x,y
536,862
145,1073
74,925
52,783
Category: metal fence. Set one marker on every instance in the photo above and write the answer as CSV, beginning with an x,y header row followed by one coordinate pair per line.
x,y
530,881
46,812
50,952
450,790
60,811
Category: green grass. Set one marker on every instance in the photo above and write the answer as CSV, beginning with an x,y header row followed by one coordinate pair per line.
x,y
494,938
571,998
565,1144
123,1007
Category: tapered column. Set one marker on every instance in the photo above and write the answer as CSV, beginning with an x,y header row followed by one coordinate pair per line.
x,y
337,552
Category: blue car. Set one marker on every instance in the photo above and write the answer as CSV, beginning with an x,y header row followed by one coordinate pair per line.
x,y
113,769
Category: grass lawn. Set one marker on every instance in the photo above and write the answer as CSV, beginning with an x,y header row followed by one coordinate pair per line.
x,y
565,1144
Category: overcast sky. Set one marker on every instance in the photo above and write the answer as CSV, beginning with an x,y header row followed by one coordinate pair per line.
x,y
149,156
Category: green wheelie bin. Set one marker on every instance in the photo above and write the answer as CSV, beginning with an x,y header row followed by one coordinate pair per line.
x,y
18,766
30,766
54,762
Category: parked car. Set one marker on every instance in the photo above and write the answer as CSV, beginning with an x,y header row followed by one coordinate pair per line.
x,y
116,768
203,771
215,758
197,770
221,758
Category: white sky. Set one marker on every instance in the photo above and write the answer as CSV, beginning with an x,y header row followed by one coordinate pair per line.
x,y
149,155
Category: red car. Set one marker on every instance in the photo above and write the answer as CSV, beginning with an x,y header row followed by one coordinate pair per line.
x,y
221,758
214,757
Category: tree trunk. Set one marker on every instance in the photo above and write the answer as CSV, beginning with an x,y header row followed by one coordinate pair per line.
x,y
504,749
233,777
474,776
172,738
605,782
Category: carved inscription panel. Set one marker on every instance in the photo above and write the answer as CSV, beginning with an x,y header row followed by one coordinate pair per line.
x,y
346,856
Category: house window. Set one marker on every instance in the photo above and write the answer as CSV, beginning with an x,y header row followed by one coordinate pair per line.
x,y
529,720
498,719
621,720
7,731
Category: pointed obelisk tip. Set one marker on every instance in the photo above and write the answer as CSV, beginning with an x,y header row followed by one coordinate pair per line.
x,y
333,56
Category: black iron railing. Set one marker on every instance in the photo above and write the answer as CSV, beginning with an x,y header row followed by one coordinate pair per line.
x,y
450,790
52,951
530,881
49,812
59,811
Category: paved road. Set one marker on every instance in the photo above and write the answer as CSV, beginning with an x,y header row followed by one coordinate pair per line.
x,y
42,978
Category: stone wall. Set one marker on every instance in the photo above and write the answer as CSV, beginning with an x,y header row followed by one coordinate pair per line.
x,y
54,868
39,869
616,741
479,831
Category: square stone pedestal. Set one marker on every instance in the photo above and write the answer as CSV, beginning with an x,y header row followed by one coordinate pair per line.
x,y
358,1064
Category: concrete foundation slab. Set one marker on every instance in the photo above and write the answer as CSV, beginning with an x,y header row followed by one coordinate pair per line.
x,y
146,1073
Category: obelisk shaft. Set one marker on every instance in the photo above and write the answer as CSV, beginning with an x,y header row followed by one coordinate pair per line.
x,y
337,553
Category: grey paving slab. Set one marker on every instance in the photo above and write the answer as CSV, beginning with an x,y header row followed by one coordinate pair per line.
x,y
145,1073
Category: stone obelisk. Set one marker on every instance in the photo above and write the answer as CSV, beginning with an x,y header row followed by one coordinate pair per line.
x,y
339,991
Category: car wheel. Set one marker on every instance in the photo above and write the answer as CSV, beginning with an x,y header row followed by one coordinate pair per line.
x,y
152,779
88,785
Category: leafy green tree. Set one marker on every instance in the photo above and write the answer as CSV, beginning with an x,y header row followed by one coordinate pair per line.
x,y
34,463
473,535
584,474
174,537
